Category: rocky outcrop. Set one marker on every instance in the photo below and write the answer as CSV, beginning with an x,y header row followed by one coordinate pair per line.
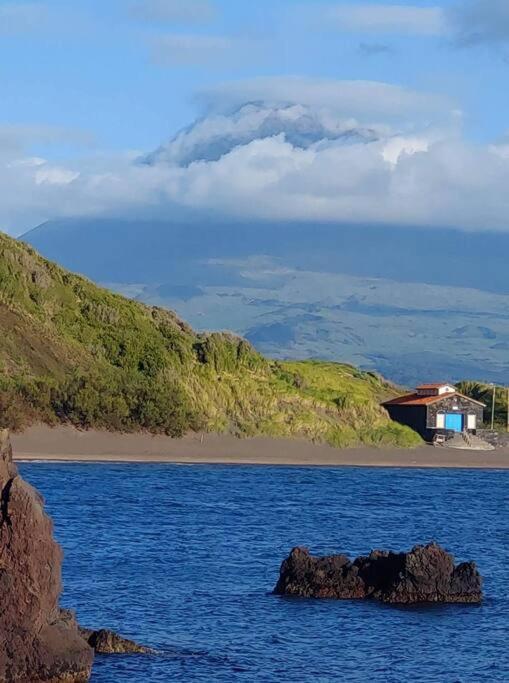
x,y
496,439
106,642
425,574
39,643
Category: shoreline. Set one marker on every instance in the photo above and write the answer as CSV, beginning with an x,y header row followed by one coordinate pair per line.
x,y
67,444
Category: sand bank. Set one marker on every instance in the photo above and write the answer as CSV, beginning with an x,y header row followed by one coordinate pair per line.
x,y
69,444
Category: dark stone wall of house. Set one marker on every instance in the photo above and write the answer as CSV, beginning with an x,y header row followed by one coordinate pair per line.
x,y
412,416
454,404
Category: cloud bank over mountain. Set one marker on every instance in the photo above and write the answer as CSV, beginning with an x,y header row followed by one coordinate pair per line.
x,y
366,101
217,135
293,149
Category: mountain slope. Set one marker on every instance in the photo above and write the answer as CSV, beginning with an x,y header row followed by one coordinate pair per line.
x,y
410,304
188,244
71,351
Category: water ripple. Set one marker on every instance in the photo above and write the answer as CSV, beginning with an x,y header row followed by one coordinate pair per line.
x,y
184,559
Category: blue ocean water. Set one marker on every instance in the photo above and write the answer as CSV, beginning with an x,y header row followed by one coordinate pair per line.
x,y
184,558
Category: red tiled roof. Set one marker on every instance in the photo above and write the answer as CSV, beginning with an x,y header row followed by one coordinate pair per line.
x,y
418,400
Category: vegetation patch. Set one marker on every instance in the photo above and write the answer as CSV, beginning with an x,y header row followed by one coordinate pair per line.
x,y
71,352
483,392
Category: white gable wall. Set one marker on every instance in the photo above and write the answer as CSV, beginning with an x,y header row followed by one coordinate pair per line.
x,y
446,389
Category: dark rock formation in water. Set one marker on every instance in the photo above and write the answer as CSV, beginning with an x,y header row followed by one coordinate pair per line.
x,y
39,643
109,643
425,574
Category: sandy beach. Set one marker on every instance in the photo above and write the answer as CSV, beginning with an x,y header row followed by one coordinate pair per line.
x,y
69,444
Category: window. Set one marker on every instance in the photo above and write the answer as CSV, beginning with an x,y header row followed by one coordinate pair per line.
x,y
440,420
471,422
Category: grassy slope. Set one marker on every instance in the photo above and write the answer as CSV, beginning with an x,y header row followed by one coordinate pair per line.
x,y
71,351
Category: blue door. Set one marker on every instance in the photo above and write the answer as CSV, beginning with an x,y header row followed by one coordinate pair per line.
x,y
454,422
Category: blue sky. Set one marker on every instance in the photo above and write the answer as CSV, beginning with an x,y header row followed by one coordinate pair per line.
x,y
94,78
90,64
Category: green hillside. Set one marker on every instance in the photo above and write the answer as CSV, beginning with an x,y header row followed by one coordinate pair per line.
x,y
73,352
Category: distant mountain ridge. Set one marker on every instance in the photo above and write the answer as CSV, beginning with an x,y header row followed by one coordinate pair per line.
x,y
388,299
129,251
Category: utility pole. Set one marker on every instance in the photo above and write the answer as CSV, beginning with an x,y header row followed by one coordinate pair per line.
x,y
493,407
508,409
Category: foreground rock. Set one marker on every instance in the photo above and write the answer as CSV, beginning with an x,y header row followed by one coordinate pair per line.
x,y
39,643
106,642
425,574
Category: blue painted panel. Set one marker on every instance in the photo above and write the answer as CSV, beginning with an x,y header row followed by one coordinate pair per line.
x,y
454,422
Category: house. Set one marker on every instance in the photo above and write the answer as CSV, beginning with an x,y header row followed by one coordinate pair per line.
x,y
437,409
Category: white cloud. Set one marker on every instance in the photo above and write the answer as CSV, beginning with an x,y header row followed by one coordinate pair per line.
x,y
367,101
29,162
376,18
17,137
407,181
501,147
187,49
375,49
467,22
19,17
53,175
397,146
217,134
33,190
480,21
443,183
173,11
405,174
